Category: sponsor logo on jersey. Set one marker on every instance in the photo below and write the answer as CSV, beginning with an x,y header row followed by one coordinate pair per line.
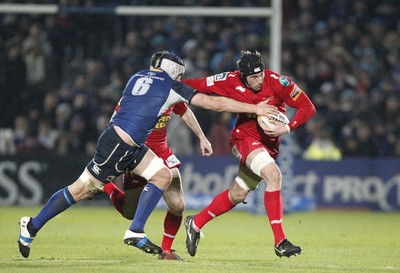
x,y
274,76
221,76
162,122
210,81
240,88
295,94
284,81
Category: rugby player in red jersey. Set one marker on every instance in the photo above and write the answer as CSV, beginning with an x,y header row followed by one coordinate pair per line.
x,y
256,148
126,201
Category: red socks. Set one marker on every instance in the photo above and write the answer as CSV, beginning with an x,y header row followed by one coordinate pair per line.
x,y
219,205
171,227
274,209
116,196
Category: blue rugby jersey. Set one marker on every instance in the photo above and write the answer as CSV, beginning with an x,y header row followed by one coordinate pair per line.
x,y
147,95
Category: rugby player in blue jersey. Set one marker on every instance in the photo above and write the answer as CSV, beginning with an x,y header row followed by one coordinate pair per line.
x,y
121,147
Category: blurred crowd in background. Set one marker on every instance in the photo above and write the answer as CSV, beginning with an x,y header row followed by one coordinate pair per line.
x,y
62,75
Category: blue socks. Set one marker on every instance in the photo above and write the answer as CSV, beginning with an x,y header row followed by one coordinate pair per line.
x,y
58,202
148,200
62,200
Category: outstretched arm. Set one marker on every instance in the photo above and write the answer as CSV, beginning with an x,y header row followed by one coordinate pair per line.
x,y
190,119
222,104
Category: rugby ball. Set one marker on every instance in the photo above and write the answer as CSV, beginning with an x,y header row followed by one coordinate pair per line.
x,y
265,121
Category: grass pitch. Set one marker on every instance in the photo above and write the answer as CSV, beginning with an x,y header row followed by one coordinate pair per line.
x,y
89,239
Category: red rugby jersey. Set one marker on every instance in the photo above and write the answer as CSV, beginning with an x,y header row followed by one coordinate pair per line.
x,y
278,89
158,137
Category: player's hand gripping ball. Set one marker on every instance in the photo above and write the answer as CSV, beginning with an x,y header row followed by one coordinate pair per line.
x,y
270,120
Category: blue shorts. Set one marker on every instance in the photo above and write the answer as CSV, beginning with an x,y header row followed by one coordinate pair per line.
x,y
113,156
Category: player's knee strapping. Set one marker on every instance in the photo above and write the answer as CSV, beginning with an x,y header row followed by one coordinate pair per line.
x,y
259,161
154,166
248,181
91,184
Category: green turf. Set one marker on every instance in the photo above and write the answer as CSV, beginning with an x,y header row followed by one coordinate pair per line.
x,y
89,239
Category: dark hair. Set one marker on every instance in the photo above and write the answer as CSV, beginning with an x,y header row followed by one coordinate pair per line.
x,y
250,63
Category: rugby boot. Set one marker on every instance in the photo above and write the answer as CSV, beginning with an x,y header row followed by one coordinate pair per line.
x,y
287,249
169,255
192,236
141,241
25,237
